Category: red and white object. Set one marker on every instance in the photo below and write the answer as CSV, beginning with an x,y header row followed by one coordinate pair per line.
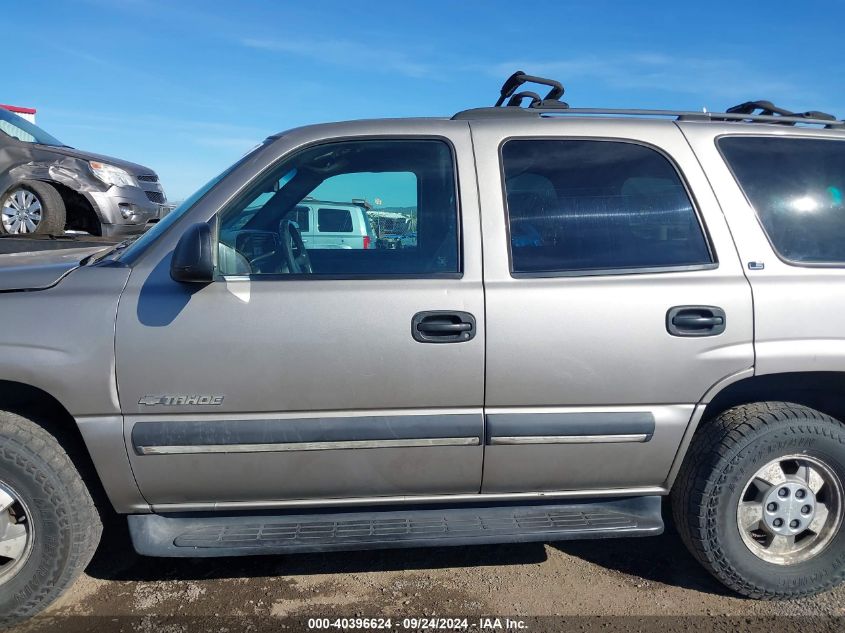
x,y
26,113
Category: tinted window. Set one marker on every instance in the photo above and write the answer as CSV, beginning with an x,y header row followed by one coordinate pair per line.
x,y
300,216
381,207
597,205
334,221
796,186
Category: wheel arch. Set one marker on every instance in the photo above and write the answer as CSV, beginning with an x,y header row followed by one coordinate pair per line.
x,y
820,390
81,214
106,454
46,411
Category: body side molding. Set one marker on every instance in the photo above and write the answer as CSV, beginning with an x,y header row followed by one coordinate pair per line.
x,y
569,427
305,434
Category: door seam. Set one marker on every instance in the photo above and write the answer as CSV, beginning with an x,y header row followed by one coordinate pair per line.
x,y
484,304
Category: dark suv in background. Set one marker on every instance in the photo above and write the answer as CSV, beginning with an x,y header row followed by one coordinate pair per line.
x,y
47,187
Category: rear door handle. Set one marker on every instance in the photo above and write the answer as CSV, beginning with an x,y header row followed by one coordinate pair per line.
x,y
695,321
443,326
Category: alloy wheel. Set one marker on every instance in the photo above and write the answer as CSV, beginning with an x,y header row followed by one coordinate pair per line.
x,y
22,212
16,533
790,509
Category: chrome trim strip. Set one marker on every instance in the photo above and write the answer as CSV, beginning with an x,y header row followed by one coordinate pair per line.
x,y
307,446
568,439
412,499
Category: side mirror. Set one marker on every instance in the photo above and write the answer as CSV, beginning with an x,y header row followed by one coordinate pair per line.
x,y
193,257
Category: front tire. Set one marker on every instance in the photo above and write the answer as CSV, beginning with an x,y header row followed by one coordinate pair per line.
x,y
30,207
759,500
49,526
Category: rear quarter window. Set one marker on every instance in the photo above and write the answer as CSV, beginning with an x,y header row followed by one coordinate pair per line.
x,y
334,221
796,187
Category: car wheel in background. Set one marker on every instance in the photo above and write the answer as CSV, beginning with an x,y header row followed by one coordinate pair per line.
x,y
32,207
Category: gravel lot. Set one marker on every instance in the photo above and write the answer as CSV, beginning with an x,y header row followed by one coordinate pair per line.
x,y
631,577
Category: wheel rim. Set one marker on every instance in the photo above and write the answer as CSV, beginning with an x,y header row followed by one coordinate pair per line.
x,y
790,509
22,212
16,533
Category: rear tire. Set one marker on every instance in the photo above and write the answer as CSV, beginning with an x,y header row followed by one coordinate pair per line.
x,y
759,501
32,206
52,505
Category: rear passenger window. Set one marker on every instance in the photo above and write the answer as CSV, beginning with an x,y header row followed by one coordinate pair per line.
x,y
796,186
334,221
578,205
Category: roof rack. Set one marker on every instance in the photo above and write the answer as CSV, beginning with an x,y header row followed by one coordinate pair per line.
x,y
551,100
748,112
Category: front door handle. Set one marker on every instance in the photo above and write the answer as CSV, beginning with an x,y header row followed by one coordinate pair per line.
x,y
443,326
695,321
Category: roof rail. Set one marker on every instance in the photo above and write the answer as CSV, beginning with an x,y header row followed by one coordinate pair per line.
x,y
748,112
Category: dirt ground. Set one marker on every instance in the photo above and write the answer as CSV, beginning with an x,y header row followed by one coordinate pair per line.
x,y
630,577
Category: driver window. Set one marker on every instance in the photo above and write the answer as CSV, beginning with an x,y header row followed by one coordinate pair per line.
x,y
370,208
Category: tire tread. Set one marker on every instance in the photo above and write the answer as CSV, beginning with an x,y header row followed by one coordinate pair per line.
x,y
29,448
704,471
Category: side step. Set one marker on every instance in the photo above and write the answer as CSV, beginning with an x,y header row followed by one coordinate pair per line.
x,y
218,534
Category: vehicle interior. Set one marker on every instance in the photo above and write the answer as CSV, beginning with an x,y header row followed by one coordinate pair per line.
x,y
260,233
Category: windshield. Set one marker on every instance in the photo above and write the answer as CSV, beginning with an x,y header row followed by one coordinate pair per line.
x,y
21,129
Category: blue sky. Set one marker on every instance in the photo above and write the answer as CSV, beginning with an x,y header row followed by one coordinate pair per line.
x,y
187,87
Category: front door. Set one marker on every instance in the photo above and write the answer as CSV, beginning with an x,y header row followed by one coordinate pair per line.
x,y
296,374
615,301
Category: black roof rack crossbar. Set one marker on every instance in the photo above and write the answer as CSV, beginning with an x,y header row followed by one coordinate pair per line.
x,y
767,108
516,99
519,78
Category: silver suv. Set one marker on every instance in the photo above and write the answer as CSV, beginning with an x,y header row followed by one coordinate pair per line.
x,y
47,187
605,309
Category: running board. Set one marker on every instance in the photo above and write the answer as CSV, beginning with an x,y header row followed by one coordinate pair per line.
x,y
217,534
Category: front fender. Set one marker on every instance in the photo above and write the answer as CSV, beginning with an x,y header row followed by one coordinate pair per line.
x,y
61,339
64,170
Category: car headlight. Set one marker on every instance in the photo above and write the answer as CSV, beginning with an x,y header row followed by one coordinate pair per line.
x,y
112,175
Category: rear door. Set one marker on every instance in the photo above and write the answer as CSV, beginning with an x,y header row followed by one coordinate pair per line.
x,y
615,300
271,386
